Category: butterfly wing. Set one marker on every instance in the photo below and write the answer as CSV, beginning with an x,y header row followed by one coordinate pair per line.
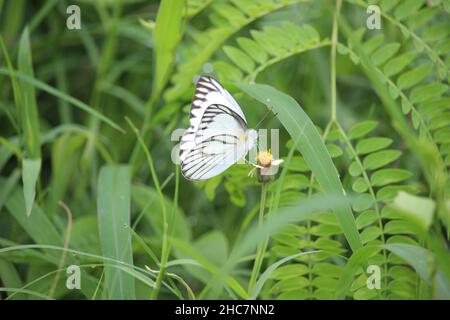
x,y
216,138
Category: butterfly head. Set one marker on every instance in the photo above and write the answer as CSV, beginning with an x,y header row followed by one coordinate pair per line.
x,y
252,138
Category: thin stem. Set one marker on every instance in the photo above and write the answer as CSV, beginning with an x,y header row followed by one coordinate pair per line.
x,y
165,240
365,176
334,40
166,245
66,245
260,252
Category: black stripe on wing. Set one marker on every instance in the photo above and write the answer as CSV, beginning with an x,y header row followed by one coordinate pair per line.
x,y
204,85
199,149
198,162
192,171
213,111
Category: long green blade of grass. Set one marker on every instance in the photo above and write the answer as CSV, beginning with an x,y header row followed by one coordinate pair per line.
x,y
10,277
166,36
114,227
61,95
7,186
30,175
356,261
25,99
310,144
28,106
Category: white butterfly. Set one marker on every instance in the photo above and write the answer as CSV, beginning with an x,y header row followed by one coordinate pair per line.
x,y
218,135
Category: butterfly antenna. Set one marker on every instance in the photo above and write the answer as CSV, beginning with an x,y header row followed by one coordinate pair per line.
x,y
265,116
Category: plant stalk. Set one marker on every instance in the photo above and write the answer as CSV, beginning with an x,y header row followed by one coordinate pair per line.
x,y
260,252
334,41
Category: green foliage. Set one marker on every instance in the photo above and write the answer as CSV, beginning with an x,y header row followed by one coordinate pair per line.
x,y
308,142
265,48
114,221
226,19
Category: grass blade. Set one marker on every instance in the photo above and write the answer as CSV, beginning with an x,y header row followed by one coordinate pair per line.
x,y
27,105
266,275
310,144
43,232
114,226
356,261
25,99
30,175
27,109
166,35
10,277
7,186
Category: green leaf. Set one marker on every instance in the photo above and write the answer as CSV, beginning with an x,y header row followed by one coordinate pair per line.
x,y
406,106
281,38
267,42
381,158
28,108
418,258
227,71
371,233
239,58
436,32
42,231
366,218
394,91
382,54
398,63
373,43
413,77
30,174
370,145
253,49
407,8
147,200
388,193
442,135
419,210
35,223
356,261
360,185
267,274
334,150
428,91
443,47
387,176
361,129
7,186
387,5
298,164
310,144
167,34
113,204
234,16
363,202
10,278
355,169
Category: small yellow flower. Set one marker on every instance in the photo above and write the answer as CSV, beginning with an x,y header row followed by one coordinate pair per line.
x,y
266,166
264,158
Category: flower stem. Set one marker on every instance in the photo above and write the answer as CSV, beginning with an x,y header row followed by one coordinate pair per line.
x,y
260,252
334,41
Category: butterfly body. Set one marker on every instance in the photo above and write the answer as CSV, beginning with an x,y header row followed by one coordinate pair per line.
x,y
218,135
